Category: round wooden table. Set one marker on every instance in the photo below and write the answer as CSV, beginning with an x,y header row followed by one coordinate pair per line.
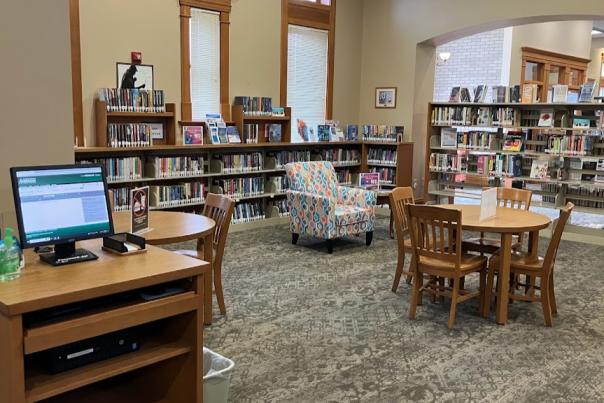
x,y
507,221
166,227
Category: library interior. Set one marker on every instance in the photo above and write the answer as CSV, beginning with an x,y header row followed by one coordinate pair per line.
x,y
301,201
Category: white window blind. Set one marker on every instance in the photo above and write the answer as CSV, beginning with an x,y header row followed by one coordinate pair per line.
x,y
306,77
205,62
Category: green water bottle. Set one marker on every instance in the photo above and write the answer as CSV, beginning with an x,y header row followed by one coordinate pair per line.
x,y
10,257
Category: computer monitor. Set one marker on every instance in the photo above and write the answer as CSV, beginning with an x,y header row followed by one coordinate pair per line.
x,y
59,205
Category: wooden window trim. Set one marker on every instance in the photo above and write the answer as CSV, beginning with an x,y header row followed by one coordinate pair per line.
x,y
224,8
76,72
312,15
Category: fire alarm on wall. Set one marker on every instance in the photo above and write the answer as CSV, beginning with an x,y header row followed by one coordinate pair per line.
x,y
136,57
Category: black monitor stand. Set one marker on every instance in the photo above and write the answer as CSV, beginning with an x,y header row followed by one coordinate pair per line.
x,y
66,253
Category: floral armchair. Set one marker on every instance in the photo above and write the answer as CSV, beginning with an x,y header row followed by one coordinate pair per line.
x,y
320,208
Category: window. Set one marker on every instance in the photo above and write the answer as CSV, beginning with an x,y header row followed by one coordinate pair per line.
x,y
205,62
307,77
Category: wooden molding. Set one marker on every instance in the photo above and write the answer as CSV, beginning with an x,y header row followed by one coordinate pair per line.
x,y
186,108
533,52
312,15
223,6
224,57
76,72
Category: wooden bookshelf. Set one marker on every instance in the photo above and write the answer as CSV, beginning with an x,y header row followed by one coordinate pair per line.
x,y
103,118
551,192
240,119
212,171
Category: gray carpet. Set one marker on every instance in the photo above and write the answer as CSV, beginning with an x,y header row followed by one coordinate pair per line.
x,y
305,326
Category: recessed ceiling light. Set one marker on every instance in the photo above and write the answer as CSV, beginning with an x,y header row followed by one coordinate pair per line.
x,y
596,32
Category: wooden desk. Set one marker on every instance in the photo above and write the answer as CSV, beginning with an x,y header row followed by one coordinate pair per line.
x,y
506,222
166,227
168,364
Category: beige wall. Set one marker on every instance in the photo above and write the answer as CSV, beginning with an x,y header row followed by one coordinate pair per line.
x,y
347,63
36,124
566,37
392,30
111,29
597,48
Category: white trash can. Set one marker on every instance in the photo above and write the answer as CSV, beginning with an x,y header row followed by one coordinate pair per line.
x,y
217,372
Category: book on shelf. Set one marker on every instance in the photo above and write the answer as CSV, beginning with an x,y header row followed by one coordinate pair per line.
x,y
448,137
559,93
278,111
464,95
120,135
323,132
132,100
222,135
546,118
233,135
587,92
499,93
539,168
514,94
581,123
255,106
174,166
530,93
513,142
352,133
599,178
192,135
455,94
480,93
274,133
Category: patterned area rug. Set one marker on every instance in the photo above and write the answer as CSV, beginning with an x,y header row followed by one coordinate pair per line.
x,y
305,326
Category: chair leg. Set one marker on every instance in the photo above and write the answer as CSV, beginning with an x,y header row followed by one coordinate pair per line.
x,y
329,243
368,238
482,289
441,284
411,271
415,297
295,238
545,303
218,289
552,295
454,295
486,306
399,270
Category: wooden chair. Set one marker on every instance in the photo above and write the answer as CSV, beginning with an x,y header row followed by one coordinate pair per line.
x,y
436,235
220,209
506,197
399,198
542,268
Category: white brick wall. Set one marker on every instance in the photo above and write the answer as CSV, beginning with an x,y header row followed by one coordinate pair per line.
x,y
476,59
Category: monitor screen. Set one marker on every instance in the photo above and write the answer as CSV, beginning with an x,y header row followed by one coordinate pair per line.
x,y
61,204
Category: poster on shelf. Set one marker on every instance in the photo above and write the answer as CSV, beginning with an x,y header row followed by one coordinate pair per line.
x,y
139,210
369,180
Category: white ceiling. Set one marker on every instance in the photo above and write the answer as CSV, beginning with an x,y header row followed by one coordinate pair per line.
x,y
599,25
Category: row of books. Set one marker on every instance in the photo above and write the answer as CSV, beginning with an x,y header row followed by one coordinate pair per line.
x,y
121,199
499,93
475,116
344,176
570,145
242,187
382,133
473,140
119,168
133,100
387,175
595,204
443,162
272,132
248,211
279,184
282,207
129,135
500,165
248,162
285,157
174,167
340,156
258,106
381,156
182,194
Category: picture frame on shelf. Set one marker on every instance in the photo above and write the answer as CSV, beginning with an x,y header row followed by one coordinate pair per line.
x,y
139,76
385,97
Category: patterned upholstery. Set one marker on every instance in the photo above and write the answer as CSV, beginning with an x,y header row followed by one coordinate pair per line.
x,y
321,208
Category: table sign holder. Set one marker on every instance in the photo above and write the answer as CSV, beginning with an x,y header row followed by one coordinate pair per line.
x,y
139,210
369,180
488,204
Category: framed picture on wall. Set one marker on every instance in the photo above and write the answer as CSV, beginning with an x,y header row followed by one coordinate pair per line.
x,y
385,97
139,76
